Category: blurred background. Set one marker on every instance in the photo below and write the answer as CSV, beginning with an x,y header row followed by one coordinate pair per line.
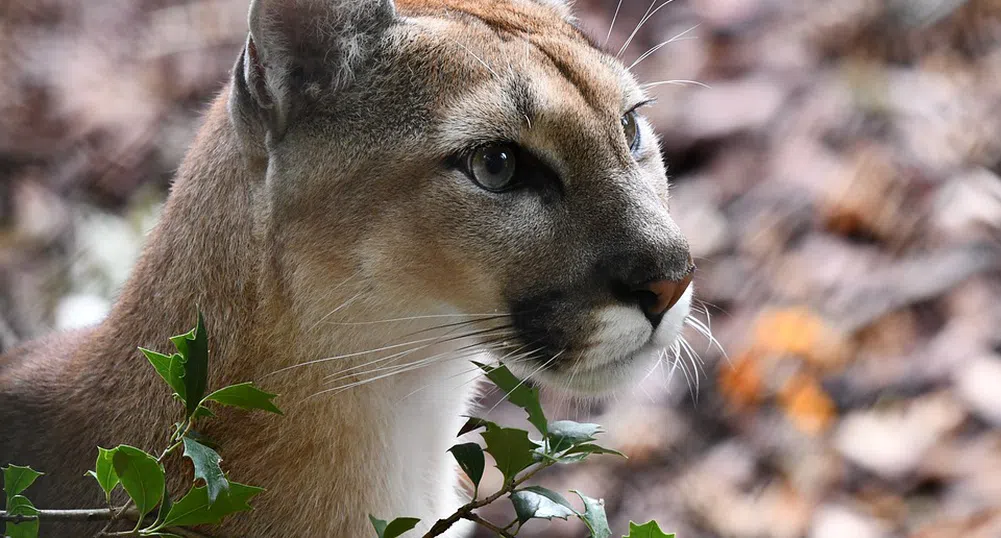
x,y
835,168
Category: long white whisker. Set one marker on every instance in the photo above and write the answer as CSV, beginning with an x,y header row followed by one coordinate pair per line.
x,y
478,59
522,382
654,49
643,21
612,25
334,311
676,82
479,317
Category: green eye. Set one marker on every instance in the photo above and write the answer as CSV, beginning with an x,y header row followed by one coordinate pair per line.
x,y
493,166
631,130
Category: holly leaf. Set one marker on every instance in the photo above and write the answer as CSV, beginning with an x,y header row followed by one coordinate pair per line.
x,y
511,448
104,472
245,396
594,516
518,393
202,438
195,509
19,505
472,425
564,434
470,458
394,528
206,462
170,368
580,452
540,503
165,505
141,476
194,348
16,479
646,530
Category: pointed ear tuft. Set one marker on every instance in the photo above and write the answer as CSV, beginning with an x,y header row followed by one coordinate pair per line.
x,y
297,48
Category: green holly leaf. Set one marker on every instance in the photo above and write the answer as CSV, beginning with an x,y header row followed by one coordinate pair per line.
x,y
472,425
594,516
170,368
540,503
518,393
245,396
206,462
471,460
194,347
646,530
202,438
394,528
16,479
19,505
104,472
580,452
165,505
564,434
511,448
195,509
141,476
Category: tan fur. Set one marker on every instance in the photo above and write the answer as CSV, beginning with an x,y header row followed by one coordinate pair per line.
x,y
308,204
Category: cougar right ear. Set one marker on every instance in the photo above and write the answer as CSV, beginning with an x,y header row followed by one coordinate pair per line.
x,y
300,49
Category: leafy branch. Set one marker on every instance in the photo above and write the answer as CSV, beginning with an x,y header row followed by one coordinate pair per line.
x,y
212,496
519,458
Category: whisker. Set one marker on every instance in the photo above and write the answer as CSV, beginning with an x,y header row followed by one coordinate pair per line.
x,y
344,374
334,311
612,25
478,59
522,382
643,21
434,340
654,49
479,317
676,82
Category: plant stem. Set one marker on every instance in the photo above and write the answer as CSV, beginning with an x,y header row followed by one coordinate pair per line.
x,y
466,510
488,525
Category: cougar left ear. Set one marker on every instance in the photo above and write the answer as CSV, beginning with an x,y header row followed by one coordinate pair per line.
x,y
297,49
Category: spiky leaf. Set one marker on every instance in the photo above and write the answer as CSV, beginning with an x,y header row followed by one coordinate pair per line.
x,y
19,505
141,476
564,434
540,503
472,425
194,347
394,528
206,462
16,479
195,509
470,458
580,452
245,396
104,472
518,393
170,368
511,448
594,516
649,529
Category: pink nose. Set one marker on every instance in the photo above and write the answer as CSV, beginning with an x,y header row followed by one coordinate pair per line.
x,y
665,293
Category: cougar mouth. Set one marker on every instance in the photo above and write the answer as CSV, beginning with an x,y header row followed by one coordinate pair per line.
x,y
620,348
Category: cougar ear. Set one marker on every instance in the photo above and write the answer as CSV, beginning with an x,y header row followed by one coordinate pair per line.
x,y
298,49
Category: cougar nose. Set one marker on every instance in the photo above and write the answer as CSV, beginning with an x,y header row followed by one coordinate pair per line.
x,y
657,297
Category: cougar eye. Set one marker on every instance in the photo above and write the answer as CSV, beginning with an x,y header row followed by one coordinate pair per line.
x,y
492,166
631,130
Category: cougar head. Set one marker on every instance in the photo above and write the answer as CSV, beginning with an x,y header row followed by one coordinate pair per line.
x,y
467,157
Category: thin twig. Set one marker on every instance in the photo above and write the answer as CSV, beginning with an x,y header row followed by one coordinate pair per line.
x,y
486,524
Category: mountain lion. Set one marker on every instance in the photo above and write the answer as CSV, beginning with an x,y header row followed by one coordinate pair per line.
x,y
382,190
